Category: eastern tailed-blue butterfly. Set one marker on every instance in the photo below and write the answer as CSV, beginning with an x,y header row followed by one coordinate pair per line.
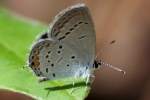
x,y
68,48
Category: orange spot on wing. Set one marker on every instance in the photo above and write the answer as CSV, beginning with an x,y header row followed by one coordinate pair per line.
x,y
35,59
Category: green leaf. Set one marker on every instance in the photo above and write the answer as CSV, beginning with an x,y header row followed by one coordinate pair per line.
x,y
16,37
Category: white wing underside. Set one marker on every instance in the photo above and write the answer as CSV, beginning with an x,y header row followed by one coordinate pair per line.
x,y
72,45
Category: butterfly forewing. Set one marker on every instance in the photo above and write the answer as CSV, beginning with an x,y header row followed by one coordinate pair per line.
x,y
75,28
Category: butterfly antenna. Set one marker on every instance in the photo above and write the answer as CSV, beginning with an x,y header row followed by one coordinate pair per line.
x,y
113,67
106,64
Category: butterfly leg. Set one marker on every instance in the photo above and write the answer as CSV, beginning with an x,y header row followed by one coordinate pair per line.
x,y
42,79
73,84
88,80
92,77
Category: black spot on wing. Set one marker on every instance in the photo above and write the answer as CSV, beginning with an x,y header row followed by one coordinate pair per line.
x,y
75,25
58,52
46,56
71,29
63,21
60,47
80,22
49,52
54,75
57,33
81,37
38,74
68,65
32,64
32,57
73,57
52,65
61,38
67,33
46,70
86,23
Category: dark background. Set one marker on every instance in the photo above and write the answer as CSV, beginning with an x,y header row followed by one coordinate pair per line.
x,y
127,22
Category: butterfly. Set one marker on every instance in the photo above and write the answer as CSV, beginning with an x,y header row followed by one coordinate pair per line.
x,y
68,48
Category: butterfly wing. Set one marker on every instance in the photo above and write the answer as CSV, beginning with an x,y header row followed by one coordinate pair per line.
x,y
74,27
72,51
54,60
